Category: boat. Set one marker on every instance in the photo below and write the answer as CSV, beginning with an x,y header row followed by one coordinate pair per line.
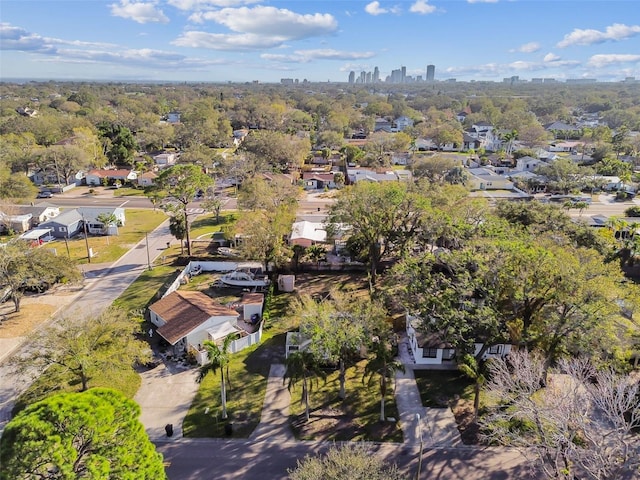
x,y
228,252
241,278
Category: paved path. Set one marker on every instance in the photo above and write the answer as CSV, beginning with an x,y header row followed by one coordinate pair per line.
x,y
434,427
274,422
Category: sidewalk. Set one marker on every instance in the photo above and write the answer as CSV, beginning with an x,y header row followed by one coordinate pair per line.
x,y
274,422
433,427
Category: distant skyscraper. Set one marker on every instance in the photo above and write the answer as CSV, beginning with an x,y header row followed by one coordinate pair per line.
x,y
352,77
431,73
404,74
376,75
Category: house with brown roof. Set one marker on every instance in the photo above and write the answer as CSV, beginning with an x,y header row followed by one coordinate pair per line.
x,y
186,319
98,176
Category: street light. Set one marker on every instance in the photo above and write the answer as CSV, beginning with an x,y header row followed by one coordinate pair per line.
x,y
146,237
419,426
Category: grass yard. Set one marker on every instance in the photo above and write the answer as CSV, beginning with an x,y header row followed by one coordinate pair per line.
x,y
109,248
356,418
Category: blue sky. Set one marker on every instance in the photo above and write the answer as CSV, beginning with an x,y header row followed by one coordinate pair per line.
x,y
246,40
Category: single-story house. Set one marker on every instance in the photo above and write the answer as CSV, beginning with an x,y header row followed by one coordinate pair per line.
x,y
94,227
529,164
98,176
486,179
306,233
17,223
365,174
401,123
40,212
185,319
38,236
65,225
147,179
165,159
436,352
318,181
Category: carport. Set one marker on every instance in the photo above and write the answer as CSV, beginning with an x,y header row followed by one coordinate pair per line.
x,y
38,235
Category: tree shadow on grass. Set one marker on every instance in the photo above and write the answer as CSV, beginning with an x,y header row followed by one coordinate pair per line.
x,y
271,351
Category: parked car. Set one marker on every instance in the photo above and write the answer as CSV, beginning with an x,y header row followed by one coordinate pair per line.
x,y
45,195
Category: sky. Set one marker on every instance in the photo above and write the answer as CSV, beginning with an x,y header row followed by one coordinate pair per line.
x,y
317,40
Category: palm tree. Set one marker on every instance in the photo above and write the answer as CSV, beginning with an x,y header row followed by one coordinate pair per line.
x,y
302,365
385,367
473,369
218,358
316,253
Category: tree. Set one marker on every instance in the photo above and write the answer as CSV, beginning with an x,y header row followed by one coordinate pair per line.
x,y
82,346
383,217
581,425
338,326
303,366
119,143
107,220
473,369
316,253
15,186
352,461
434,168
384,366
23,267
258,193
93,434
218,358
182,182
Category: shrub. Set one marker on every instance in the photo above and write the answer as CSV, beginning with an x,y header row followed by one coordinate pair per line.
x,y
632,211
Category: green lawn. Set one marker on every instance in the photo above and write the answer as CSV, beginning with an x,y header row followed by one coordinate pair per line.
x,y
356,418
439,388
109,248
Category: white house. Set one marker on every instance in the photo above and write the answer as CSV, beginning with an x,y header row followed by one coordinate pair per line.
x,y
401,123
485,179
165,159
306,233
434,351
147,179
186,319
529,164
98,177
90,217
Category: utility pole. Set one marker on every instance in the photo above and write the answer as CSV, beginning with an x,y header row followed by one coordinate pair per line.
x,y
146,238
86,239
419,427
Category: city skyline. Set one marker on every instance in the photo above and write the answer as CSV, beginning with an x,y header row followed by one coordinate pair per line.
x,y
253,40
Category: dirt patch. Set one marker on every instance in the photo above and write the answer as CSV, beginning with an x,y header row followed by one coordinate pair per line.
x,y
319,284
19,324
469,430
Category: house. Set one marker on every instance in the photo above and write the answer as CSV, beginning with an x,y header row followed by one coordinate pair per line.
x,y
305,233
318,181
90,216
486,179
239,136
529,164
66,225
365,174
433,351
567,146
99,177
469,142
382,125
173,117
461,116
166,159
16,222
186,318
562,130
401,123
147,179
41,212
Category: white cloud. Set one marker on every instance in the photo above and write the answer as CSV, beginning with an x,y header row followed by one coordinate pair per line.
x,y
482,1
551,57
374,8
224,42
272,22
141,12
17,38
208,4
615,32
304,56
521,65
530,47
422,7
604,60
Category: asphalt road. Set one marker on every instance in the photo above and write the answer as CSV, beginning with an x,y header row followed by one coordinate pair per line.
x,y
102,287
202,459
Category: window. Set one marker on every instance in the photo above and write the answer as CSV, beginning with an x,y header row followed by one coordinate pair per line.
x,y
62,229
448,354
429,352
495,349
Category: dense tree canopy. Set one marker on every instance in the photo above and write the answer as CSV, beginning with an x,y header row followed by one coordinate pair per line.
x,y
95,435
